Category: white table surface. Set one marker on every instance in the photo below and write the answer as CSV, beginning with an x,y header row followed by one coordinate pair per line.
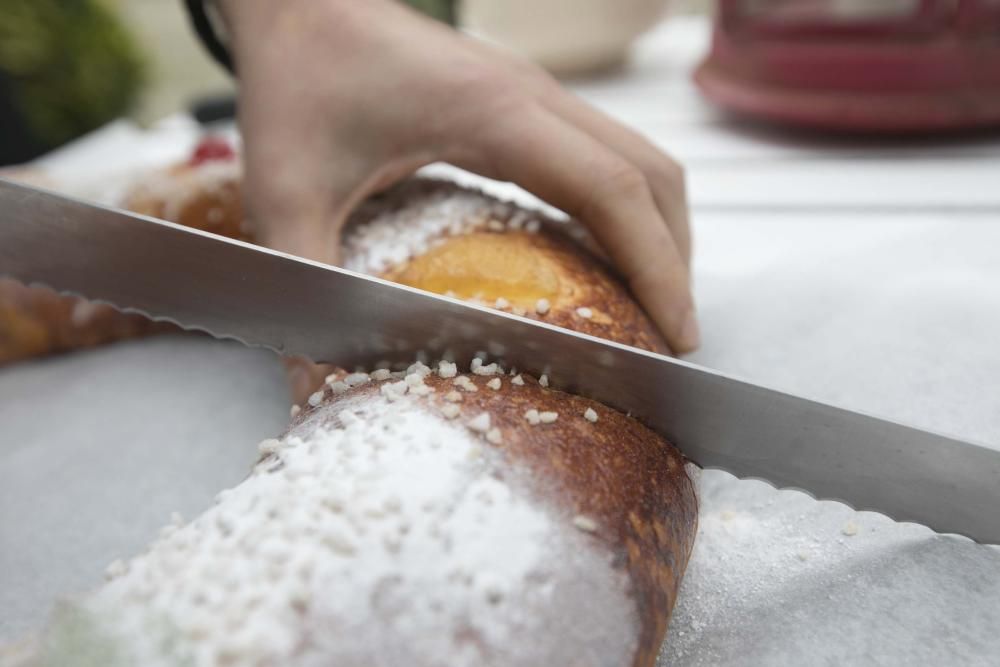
x,y
861,273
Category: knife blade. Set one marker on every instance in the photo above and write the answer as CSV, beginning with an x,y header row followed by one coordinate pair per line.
x,y
260,297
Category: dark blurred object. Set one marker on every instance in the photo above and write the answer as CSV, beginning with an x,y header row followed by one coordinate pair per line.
x,y
888,66
442,10
66,67
214,108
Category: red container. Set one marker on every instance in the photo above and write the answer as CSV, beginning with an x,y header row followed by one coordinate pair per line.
x,y
900,66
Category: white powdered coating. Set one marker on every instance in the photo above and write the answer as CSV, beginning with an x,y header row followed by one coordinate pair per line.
x,y
393,236
176,192
451,411
294,411
494,435
383,542
590,415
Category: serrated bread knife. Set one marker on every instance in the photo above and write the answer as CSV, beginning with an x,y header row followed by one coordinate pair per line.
x,y
231,289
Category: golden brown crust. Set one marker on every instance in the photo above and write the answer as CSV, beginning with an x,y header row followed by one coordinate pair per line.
x,y
35,321
632,482
215,206
523,268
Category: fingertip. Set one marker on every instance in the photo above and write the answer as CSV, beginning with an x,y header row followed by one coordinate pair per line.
x,y
688,338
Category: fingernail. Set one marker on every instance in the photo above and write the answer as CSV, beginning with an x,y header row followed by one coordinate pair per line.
x,y
690,335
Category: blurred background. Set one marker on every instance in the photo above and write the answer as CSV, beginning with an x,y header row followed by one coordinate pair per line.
x,y
857,66
81,63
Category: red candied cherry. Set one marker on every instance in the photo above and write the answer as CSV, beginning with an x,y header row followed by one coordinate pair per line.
x,y
211,149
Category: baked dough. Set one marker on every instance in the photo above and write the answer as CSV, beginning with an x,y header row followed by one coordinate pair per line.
x,y
426,516
418,518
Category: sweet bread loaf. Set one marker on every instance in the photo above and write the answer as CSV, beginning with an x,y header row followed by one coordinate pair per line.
x,y
426,517
428,234
202,193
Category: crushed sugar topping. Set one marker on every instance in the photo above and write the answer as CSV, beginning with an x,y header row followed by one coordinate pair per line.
x,y
584,312
548,417
481,423
392,531
357,379
585,523
494,384
542,306
590,415
316,398
447,369
517,380
485,369
466,383
387,236
533,417
544,380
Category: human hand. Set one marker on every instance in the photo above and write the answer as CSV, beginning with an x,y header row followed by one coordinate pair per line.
x,y
339,99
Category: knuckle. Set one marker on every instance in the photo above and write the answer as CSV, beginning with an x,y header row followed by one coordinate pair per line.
x,y
669,175
614,180
619,179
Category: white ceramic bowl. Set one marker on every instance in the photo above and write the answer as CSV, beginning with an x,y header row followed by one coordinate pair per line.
x,y
564,36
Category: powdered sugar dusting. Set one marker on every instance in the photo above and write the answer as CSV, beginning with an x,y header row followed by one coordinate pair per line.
x,y
384,537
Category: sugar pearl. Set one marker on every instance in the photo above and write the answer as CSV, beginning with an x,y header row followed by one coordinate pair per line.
x,y
481,423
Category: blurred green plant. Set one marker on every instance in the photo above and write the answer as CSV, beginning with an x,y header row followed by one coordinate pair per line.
x,y
67,66
442,10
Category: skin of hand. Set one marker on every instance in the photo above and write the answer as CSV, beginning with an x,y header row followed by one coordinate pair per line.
x,y
339,99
